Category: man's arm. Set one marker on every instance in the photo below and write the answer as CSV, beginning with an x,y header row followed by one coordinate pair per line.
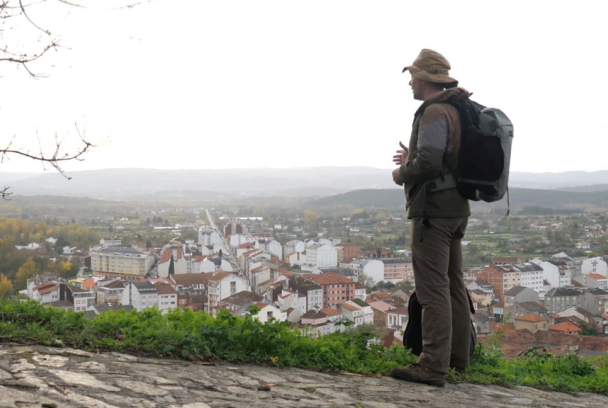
x,y
432,142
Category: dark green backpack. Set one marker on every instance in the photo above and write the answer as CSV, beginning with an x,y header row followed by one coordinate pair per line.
x,y
484,156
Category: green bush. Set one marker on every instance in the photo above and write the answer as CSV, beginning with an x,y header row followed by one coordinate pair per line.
x,y
181,333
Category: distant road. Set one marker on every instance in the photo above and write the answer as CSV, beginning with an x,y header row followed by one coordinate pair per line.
x,y
227,252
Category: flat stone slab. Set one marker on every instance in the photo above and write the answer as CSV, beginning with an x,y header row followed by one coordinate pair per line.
x,y
38,376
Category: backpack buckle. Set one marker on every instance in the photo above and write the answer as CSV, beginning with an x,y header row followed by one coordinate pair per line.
x,y
441,183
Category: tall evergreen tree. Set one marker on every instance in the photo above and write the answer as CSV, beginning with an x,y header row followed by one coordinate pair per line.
x,y
171,266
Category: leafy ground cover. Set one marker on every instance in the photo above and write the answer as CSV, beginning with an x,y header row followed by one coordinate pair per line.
x,y
183,333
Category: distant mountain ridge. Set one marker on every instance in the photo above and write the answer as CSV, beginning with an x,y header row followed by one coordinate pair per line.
x,y
212,185
519,197
562,180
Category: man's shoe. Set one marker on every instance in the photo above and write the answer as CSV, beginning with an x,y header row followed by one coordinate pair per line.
x,y
419,374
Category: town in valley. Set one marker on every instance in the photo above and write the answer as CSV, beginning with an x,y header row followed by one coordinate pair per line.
x,y
537,278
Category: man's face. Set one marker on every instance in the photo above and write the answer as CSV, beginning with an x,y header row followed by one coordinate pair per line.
x,y
417,88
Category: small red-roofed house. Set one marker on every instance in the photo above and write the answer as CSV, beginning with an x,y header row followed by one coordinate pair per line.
x,y
46,292
531,322
566,327
332,314
381,309
314,318
352,312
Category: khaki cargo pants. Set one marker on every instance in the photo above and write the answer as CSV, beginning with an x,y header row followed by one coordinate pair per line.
x,y
440,288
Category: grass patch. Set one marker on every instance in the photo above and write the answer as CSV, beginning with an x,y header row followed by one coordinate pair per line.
x,y
227,337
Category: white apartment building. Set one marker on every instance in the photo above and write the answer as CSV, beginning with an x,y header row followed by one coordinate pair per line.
x,y
109,292
292,299
531,276
322,256
208,236
372,268
594,265
367,313
223,285
167,296
122,262
140,295
558,277
360,292
80,298
308,291
294,246
295,258
350,311
275,248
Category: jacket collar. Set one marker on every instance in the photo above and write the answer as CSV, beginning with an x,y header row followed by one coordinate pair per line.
x,y
444,96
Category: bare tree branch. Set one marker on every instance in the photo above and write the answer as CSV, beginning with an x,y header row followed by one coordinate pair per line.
x,y
56,158
47,32
12,10
4,193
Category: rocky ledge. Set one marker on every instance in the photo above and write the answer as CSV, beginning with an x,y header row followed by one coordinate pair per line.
x,y
37,376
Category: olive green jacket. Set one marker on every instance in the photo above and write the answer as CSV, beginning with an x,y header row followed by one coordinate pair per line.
x,y
433,152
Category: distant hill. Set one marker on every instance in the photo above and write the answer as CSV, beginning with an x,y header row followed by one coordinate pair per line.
x,y
561,180
586,189
519,197
202,185
234,184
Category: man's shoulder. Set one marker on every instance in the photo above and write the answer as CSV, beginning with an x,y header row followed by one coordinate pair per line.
x,y
439,110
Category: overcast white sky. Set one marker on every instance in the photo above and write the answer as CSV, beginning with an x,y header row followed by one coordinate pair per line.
x,y
196,84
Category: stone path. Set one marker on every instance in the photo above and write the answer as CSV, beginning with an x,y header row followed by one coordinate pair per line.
x,y
43,377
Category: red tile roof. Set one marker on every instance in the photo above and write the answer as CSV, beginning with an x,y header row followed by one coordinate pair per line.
x,y
381,306
88,284
164,289
117,284
46,288
348,306
330,312
191,279
399,310
381,295
565,327
261,305
531,317
220,276
328,278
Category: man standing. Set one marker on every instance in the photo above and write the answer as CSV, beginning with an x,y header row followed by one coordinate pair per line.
x,y
438,220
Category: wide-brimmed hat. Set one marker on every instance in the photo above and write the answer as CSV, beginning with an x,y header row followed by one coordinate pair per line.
x,y
432,67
